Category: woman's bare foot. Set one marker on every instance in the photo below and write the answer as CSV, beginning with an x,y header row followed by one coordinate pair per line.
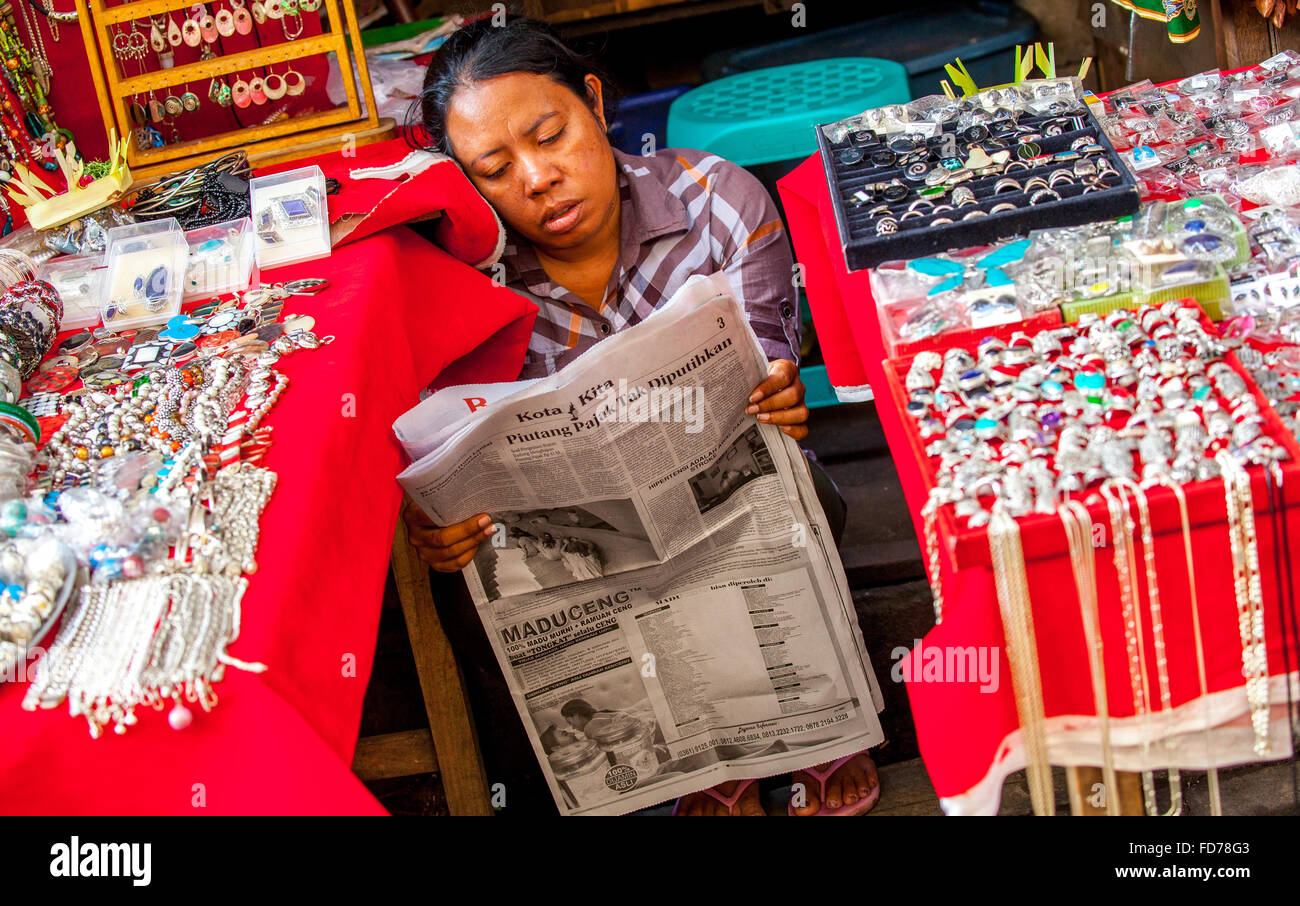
x,y
852,782
702,804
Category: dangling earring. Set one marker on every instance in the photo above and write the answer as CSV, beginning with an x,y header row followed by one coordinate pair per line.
x,y
191,34
243,21
239,93
274,89
225,22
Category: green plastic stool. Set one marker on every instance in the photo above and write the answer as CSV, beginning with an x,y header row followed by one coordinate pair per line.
x,y
769,115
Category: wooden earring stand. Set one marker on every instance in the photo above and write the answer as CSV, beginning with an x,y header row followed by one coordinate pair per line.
x,y
289,139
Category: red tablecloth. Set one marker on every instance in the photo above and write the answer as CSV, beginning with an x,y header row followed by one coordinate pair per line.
x,y
968,733
403,312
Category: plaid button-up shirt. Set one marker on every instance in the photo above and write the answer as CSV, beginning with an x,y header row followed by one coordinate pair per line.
x,y
683,213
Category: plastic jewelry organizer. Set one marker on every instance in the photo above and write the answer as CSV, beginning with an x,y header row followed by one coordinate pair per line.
x,y
917,237
1042,535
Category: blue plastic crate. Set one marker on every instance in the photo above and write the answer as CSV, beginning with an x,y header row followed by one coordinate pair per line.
x,y
923,40
769,115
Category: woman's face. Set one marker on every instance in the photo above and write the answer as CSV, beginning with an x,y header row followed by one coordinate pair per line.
x,y
538,154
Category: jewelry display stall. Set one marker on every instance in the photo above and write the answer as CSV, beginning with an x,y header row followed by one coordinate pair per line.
x,y
109,45
1138,628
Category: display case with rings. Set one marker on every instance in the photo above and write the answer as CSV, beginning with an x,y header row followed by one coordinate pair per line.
x,y
221,259
144,277
290,217
990,160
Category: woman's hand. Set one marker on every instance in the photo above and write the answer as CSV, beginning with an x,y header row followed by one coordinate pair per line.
x,y
779,399
446,548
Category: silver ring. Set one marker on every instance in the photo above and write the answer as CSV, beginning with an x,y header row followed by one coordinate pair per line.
x,y
1044,195
920,201
1015,165
1007,184
886,226
1004,206
939,209
911,213
975,213
940,221
1059,176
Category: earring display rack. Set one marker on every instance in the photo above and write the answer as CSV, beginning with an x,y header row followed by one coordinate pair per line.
x,y
286,139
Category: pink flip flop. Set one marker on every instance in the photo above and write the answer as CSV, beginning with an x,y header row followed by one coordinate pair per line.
x,y
861,807
728,801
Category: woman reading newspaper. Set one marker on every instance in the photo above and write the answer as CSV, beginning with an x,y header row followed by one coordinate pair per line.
x,y
599,239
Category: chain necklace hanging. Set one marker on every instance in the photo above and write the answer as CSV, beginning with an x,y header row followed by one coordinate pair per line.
x,y
54,17
1157,632
1249,595
1216,800
1121,527
1012,585
26,103
1078,533
41,68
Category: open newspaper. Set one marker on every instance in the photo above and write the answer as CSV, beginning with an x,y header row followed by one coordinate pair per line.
x,y
662,591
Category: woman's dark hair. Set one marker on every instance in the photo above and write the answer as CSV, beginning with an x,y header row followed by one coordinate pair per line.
x,y
482,50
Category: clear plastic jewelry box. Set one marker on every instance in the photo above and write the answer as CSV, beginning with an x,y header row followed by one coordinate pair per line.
x,y
221,259
290,217
145,278
80,283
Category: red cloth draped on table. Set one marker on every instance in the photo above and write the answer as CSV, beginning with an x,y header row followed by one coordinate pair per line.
x,y
404,312
968,732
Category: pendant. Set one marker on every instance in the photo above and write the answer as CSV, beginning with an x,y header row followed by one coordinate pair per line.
x,y
259,12
190,101
190,33
173,32
309,6
172,104
293,89
257,90
138,114
156,39
275,9
243,21
225,23
166,59
214,90
156,110
42,73
208,28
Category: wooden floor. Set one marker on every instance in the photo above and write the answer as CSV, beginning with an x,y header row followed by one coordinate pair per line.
x,y
883,562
